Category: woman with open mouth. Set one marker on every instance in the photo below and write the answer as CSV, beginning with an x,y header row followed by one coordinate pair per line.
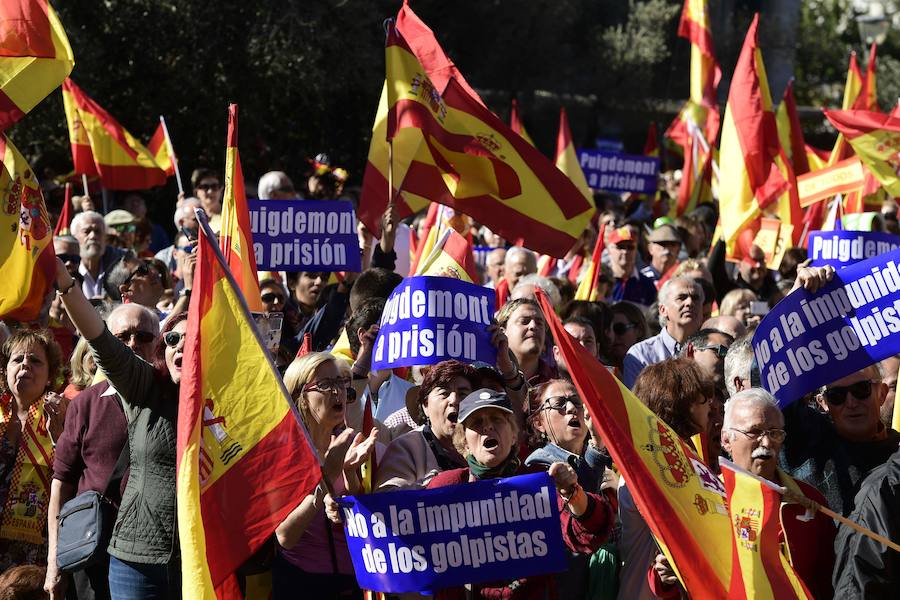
x,y
487,434
143,550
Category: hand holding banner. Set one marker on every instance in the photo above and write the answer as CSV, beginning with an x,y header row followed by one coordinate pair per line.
x,y
430,319
424,540
809,340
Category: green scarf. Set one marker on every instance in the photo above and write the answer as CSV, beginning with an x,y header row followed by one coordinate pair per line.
x,y
507,468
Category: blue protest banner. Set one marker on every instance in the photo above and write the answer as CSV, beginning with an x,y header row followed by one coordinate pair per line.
x,y
424,540
304,235
809,340
614,172
844,247
430,319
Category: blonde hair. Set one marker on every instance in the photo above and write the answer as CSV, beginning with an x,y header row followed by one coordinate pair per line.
x,y
82,365
299,373
732,299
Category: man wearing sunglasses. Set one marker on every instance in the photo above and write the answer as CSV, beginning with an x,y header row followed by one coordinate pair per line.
x,y
132,281
89,447
834,451
708,348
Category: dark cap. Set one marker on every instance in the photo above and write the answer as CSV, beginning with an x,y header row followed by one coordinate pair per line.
x,y
483,398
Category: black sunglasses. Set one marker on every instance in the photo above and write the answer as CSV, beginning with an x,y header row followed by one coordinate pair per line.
x,y
142,271
69,258
621,328
173,338
208,186
836,396
270,297
719,349
142,337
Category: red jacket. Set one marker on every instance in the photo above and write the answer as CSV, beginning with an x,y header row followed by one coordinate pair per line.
x,y
810,546
582,534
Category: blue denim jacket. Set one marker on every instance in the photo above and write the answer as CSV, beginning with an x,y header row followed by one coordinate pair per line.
x,y
589,467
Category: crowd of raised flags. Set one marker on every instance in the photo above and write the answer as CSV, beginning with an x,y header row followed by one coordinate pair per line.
x,y
633,344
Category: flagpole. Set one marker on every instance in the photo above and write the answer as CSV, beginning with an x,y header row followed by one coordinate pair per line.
x,y
172,155
245,309
84,184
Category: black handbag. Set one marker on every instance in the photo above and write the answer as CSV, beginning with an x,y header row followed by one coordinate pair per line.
x,y
85,523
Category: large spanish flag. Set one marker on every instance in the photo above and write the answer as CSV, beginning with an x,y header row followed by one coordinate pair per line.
x,y
680,498
235,238
750,178
470,160
761,571
876,139
35,56
567,159
100,146
243,459
27,261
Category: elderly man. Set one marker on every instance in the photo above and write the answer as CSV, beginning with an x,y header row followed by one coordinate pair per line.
x,y
184,218
739,370
208,189
630,285
680,303
67,249
494,265
276,185
90,445
726,324
663,243
518,263
89,229
708,348
834,451
131,280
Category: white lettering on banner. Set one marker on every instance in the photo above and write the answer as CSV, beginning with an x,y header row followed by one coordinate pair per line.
x,y
618,164
300,222
323,253
846,250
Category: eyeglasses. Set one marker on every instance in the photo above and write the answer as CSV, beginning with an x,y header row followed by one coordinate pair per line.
x,y
142,271
719,349
141,337
337,385
561,402
622,328
173,338
127,228
271,298
776,435
69,258
861,390
208,187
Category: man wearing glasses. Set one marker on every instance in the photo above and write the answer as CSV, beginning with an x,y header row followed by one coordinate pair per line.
x,y
834,451
708,348
208,189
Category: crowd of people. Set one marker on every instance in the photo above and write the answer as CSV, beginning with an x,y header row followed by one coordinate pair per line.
x,y
96,383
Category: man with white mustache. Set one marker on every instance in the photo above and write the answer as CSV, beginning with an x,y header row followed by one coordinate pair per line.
x,y
97,258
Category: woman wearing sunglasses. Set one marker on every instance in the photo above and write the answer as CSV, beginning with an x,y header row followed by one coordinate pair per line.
x,y
143,550
312,552
628,327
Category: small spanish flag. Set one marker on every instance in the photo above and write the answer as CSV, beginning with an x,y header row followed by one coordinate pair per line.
x,y
159,148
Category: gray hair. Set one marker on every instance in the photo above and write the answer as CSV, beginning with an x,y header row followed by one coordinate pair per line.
x,y
81,218
536,281
146,313
666,290
738,361
750,397
187,207
270,182
516,251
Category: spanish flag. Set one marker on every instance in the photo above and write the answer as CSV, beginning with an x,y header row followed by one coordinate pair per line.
x,y
750,178
100,146
761,571
680,498
468,159
516,124
875,137
852,89
35,57
244,460
159,149
451,256
27,261
790,133
235,238
587,289
567,160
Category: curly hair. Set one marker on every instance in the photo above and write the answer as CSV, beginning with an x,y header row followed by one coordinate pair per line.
x,y
670,387
441,374
34,337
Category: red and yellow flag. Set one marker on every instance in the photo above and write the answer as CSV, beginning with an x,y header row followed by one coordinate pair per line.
x,y
651,143
450,256
761,570
567,159
516,124
243,459
27,260
679,497
100,146
705,71
159,149
876,139
587,289
790,134
750,178
468,159
235,238
35,57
